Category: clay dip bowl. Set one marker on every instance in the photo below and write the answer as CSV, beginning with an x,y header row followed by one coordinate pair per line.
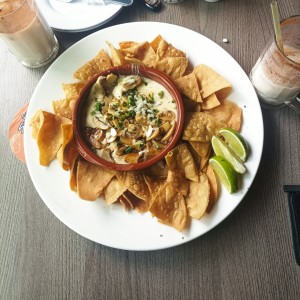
x,y
118,123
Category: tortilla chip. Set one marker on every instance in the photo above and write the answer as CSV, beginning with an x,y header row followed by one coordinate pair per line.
x,y
229,113
113,191
125,203
214,188
126,44
137,204
190,105
178,182
172,66
142,52
205,159
135,183
35,124
141,206
46,128
93,67
169,207
154,185
116,56
202,148
73,160
64,108
67,137
72,90
165,49
159,169
155,43
211,82
181,159
198,197
196,157
188,85
132,60
92,180
200,127
210,102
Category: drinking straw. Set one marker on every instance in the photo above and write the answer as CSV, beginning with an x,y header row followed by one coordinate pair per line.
x,y
276,23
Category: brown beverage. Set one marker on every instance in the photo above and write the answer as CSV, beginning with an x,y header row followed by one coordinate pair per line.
x,y
276,75
26,33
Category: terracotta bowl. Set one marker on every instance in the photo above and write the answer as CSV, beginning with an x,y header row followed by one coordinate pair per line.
x,y
84,149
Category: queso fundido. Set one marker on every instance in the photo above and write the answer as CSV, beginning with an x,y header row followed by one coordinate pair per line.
x,y
128,118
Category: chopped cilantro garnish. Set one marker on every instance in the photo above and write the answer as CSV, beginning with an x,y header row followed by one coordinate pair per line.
x,y
97,106
161,94
157,122
128,149
130,114
141,144
118,141
150,98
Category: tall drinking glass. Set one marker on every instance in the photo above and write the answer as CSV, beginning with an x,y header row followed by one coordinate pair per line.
x,y
26,33
276,74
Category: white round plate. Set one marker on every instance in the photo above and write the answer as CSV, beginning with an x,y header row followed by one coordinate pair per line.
x,y
76,16
111,225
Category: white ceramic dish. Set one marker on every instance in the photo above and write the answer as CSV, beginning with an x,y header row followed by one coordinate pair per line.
x,y
76,16
112,226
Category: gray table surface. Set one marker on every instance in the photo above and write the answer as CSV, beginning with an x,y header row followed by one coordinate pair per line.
x,y
248,256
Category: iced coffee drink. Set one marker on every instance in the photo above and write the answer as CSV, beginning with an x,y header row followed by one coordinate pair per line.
x,y
26,33
276,75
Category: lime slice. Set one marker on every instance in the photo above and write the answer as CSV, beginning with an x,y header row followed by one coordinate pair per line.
x,y
221,149
227,175
236,142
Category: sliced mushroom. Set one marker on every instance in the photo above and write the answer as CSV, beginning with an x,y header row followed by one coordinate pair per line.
x,y
113,108
132,158
165,127
158,145
166,115
118,158
101,124
126,140
152,150
120,151
138,145
110,82
97,92
127,83
154,135
105,154
141,119
130,82
149,131
169,133
115,122
134,131
96,137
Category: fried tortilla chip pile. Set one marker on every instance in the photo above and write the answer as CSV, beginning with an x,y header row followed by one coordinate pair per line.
x,y
180,187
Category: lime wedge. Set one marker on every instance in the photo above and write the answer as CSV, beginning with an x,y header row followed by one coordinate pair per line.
x,y
236,142
227,175
221,149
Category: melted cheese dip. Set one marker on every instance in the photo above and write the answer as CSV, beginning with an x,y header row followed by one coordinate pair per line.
x,y
129,119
